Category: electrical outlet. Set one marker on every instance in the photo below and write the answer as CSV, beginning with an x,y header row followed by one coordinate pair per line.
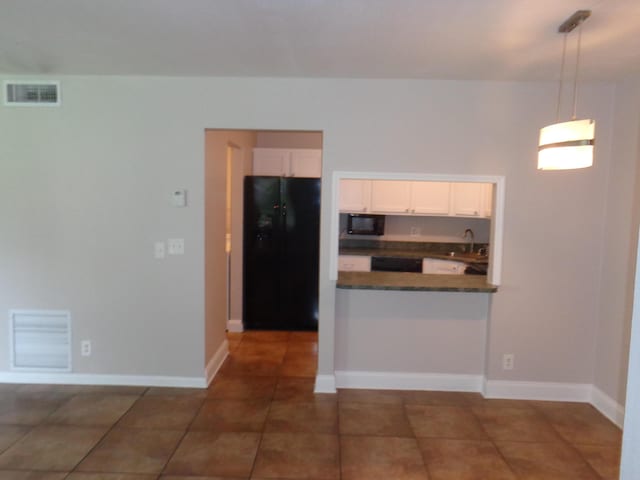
x,y
507,361
175,246
85,348
159,250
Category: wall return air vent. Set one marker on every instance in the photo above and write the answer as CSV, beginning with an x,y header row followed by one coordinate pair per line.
x,y
31,93
40,340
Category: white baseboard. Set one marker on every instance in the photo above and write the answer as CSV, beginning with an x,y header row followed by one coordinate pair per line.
x,y
408,381
62,378
235,325
607,406
325,384
562,392
216,361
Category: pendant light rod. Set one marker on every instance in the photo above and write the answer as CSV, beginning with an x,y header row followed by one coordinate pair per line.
x,y
574,20
575,77
564,53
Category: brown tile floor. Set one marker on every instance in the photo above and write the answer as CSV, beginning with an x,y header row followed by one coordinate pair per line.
x,y
260,420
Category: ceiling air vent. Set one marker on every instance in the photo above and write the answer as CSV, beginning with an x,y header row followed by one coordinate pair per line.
x,y
32,93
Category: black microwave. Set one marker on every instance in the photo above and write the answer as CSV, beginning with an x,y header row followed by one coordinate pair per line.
x,y
363,224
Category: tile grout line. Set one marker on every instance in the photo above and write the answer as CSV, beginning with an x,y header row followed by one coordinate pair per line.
x,y
339,435
264,425
422,455
179,442
493,443
584,459
109,430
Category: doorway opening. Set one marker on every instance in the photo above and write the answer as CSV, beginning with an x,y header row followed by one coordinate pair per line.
x,y
262,216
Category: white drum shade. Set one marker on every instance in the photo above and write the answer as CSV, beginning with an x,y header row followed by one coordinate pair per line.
x,y
566,145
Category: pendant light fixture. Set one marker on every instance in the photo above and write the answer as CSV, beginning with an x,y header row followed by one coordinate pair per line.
x,y
568,145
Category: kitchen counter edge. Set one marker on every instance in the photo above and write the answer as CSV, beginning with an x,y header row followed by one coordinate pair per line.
x,y
405,281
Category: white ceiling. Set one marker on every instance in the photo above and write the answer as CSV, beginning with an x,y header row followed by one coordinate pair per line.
x,y
453,39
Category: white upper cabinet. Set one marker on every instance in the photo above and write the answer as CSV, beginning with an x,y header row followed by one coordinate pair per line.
x,y
287,162
271,161
467,199
417,198
430,198
305,162
355,195
390,196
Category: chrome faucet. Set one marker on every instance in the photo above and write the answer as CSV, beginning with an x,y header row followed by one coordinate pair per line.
x,y
469,232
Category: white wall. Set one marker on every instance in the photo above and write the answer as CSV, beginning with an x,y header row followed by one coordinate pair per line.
x,y
84,193
620,229
217,282
412,332
630,463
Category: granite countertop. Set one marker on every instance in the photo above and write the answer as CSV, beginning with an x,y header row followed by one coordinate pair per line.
x,y
386,248
414,253
414,282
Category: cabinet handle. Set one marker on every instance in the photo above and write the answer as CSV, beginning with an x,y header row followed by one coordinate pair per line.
x,y
413,210
364,209
406,210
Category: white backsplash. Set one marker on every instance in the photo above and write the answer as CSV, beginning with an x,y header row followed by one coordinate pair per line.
x,y
431,229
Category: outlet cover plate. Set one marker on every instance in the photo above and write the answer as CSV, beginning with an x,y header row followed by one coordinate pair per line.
x,y
175,246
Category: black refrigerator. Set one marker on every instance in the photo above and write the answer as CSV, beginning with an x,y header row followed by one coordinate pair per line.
x,y
281,250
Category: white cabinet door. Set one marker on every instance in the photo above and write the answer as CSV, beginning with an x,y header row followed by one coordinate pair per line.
x,y
354,263
467,199
287,162
430,197
305,162
390,196
271,161
442,267
487,199
355,195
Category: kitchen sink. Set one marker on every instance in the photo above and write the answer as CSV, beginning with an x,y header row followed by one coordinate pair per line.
x,y
463,256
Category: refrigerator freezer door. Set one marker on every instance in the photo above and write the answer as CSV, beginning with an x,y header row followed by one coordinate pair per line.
x,y
262,245
299,275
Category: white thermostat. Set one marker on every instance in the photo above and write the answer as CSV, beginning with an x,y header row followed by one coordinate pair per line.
x,y
179,198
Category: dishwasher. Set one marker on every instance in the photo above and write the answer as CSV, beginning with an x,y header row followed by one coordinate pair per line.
x,y
396,264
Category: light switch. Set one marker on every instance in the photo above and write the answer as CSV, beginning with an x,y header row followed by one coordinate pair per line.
x,y
159,250
176,246
179,198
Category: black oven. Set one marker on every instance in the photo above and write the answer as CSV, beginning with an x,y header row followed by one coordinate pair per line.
x,y
363,224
